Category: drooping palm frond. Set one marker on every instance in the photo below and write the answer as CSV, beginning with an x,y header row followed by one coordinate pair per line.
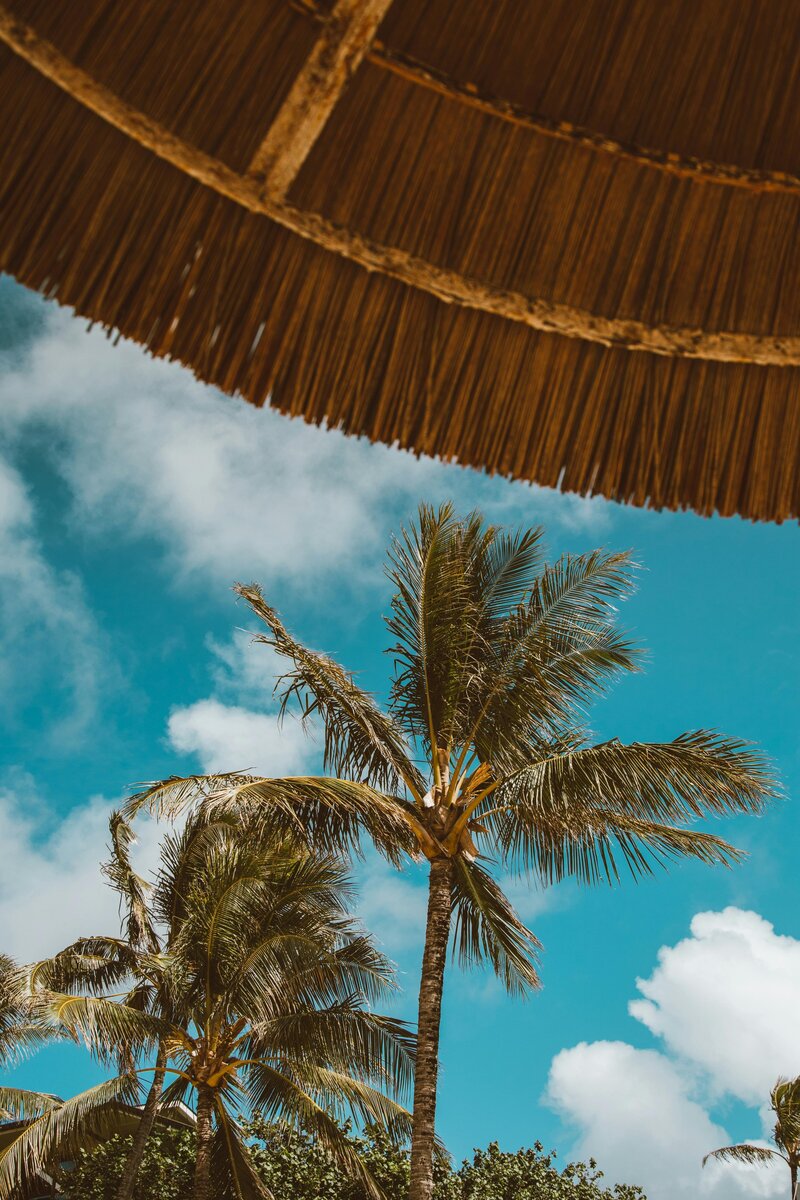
x,y
130,887
487,930
324,812
361,741
233,1174
167,799
345,1038
91,963
56,1130
744,1154
314,1099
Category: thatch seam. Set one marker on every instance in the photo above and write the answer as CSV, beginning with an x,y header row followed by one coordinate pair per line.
x,y
448,286
703,171
345,37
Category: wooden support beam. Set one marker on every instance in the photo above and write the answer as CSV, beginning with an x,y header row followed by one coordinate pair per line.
x,y
345,38
449,286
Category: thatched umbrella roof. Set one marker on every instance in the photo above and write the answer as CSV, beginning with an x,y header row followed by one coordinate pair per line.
x,y
554,238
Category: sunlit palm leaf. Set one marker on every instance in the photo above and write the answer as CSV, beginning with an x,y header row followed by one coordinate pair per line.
x,y
20,1032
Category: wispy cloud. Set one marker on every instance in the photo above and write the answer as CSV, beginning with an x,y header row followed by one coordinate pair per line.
x,y
51,886
51,650
226,490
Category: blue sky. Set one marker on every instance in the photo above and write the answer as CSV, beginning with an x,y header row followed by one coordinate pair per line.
x,y
131,498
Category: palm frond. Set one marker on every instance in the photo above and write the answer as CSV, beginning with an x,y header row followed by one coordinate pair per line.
x,y
552,653
437,618
308,1104
20,1030
95,963
361,741
131,888
590,845
328,814
365,1045
487,930
698,774
743,1154
547,815
56,1130
233,1173
105,1026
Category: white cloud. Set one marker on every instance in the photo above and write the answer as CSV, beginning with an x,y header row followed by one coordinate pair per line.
x,y
51,887
231,738
238,737
228,490
724,1003
637,1117
726,999
48,637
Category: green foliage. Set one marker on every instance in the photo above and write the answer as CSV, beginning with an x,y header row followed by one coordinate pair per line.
x,y
295,1167
166,1173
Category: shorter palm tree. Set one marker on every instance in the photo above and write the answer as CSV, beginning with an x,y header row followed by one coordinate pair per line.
x,y
785,1103
134,960
269,985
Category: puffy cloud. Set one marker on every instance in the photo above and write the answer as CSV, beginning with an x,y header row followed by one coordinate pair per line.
x,y
48,637
637,1116
226,734
231,738
725,999
51,886
724,1003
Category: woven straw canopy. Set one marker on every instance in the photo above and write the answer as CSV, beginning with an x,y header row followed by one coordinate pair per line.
x,y
554,238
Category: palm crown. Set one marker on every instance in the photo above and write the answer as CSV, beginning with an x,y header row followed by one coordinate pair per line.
x,y
785,1104
259,998
482,752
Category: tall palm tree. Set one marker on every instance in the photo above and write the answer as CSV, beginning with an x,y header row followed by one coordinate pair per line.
x,y
482,753
785,1103
269,984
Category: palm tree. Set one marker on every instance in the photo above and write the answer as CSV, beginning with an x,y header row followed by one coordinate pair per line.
x,y
269,985
98,962
785,1103
50,1120
482,752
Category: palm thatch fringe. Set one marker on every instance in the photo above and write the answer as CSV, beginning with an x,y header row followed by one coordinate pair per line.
x,y
482,316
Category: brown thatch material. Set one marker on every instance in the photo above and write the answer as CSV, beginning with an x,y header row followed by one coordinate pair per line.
x,y
554,238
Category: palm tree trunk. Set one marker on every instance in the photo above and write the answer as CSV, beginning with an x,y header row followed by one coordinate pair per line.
x,y
205,1132
793,1169
131,1171
437,933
